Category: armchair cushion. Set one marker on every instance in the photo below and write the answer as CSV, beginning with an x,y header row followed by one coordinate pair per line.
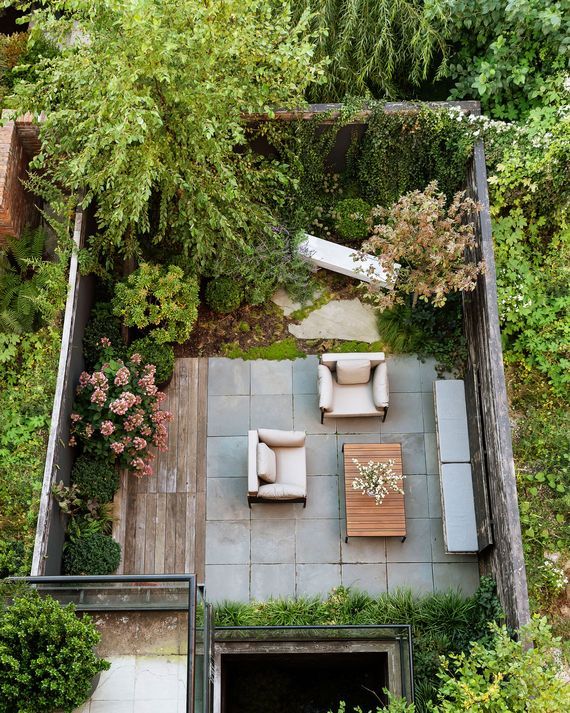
x,y
353,371
325,386
380,391
281,439
266,463
281,491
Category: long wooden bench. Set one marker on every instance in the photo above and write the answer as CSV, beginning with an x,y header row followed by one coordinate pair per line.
x,y
457,501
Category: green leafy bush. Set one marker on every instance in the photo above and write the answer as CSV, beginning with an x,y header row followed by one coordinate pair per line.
x,y
14,560
102,324
161,355
27,385
224,295
47,654
513,56
353,218
506,675
160,297
92,553
96,479
427,331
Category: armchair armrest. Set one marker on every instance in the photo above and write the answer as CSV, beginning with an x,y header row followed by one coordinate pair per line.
x,y
252,479
380,390
325,387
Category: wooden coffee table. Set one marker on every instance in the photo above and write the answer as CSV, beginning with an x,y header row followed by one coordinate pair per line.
x,y
363,517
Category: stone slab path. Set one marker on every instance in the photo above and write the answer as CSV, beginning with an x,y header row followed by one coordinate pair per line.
x,y
339,319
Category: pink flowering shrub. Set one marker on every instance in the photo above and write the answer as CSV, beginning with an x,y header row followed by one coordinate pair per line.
x,y
117,414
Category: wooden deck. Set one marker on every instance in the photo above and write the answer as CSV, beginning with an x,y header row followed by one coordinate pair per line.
x,y
160,521
363,517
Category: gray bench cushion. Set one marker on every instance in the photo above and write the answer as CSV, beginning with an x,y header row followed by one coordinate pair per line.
x,y
459,525
451,421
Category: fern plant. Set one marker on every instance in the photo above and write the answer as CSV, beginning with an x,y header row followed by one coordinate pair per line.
x,y
21,282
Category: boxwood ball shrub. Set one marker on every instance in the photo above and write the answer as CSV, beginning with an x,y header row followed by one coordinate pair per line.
x,y
47,658
224,295
353,218
92,553
97,479
161,355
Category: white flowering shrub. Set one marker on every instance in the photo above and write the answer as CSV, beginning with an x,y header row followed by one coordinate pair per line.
x,y
377,479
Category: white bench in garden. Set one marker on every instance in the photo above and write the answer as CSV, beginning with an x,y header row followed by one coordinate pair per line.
x,y
339,258
457,500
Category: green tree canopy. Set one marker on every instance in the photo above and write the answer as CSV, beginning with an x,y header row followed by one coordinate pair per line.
x,y
143,112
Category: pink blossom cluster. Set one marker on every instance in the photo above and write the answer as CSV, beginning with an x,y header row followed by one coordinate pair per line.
x,y
125,423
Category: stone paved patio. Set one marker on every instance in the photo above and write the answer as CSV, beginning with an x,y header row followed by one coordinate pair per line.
x,y
285,550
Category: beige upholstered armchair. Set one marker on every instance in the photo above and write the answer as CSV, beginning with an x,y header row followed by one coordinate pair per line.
x,y
277,466
353,385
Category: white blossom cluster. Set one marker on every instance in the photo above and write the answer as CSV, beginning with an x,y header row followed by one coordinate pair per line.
x,y
554,575
377,479
481,125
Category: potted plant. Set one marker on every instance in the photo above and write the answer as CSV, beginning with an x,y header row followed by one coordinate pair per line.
x,y
377,479
47,657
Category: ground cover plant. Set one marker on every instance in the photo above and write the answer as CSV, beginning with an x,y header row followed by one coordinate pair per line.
x,y
441,623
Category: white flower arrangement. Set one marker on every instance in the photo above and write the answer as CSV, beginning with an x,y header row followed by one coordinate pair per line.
x,y
377,479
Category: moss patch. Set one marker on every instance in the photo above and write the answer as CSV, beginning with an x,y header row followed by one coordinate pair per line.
x,y
283,349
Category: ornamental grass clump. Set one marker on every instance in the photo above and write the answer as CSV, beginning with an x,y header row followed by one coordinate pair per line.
x,y
117,414
377,479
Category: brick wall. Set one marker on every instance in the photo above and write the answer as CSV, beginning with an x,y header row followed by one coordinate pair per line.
x,y
18,143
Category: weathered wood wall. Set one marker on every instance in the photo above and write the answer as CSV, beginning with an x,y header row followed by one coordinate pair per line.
x,y
490,432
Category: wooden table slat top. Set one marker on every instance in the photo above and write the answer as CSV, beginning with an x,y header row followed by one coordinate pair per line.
x,y
363,517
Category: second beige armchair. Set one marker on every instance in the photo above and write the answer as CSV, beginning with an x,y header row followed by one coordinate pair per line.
x,y
352,385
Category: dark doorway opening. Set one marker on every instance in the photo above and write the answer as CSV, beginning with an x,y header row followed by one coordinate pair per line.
x,y
303,682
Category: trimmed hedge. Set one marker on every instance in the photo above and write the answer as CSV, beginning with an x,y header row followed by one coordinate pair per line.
x,y
96,479
94,553
224,295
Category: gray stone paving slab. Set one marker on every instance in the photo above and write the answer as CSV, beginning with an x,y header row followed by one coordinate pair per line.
x,y
403,373
428,412
428,374
228,415
305,375
416,548
322,497
457,575
413,451
370,578
227,582
271,377
318,541
416,496
317,580
321,455
339,319
432,466
359,425
417,576
272,411
368,550
228,377
226,499
434,496
438,546
404,414
273,542
227,457
307,416
227,542
272,581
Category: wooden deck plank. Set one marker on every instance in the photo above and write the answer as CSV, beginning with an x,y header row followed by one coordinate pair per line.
x,y
159,542
140,528
172,453
170,534
190,549
180,537
363,517
150,533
